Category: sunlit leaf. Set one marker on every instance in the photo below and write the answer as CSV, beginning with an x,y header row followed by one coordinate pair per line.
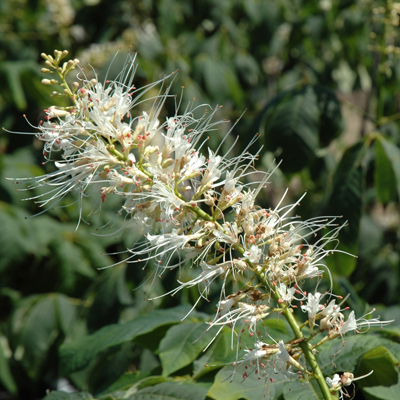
x,y
224,388
181,345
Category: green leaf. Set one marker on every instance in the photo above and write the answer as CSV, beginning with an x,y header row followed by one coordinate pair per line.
x,y
344,356
6,377
291,127
13,247
171,391
109,366
384,383
346,199
302,391
330,123
220,352
124,382
56,395
217,354
12,75
297,123
65,312
36,324
77,355
224,388
181,345
214,79
104,309
385,180
148,381
393,154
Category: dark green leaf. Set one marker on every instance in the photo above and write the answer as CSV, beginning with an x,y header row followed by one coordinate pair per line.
x,y
65,312
385,180
77,355
330,123
104,310
38,334
109,366
36,324
393,154
147,382
171,391
291,127
384,383
12,75
6,377
124,382
346,200
344,356
56,395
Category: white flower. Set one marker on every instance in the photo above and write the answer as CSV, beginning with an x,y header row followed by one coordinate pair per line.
x,y
253,254
283,363
334,382
256,354
313,307
213,172
353,324
286,293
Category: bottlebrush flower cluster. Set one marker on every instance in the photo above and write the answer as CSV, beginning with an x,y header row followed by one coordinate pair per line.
x,y
191,204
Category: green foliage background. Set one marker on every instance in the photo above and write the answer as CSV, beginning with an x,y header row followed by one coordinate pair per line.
x,y
319,81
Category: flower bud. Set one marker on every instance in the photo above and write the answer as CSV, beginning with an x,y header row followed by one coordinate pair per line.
x,y
347,378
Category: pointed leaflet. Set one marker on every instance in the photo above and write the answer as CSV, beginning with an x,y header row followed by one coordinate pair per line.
x,y
346,200
77,355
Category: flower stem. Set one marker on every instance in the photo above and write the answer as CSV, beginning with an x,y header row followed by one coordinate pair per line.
x,y
305,347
